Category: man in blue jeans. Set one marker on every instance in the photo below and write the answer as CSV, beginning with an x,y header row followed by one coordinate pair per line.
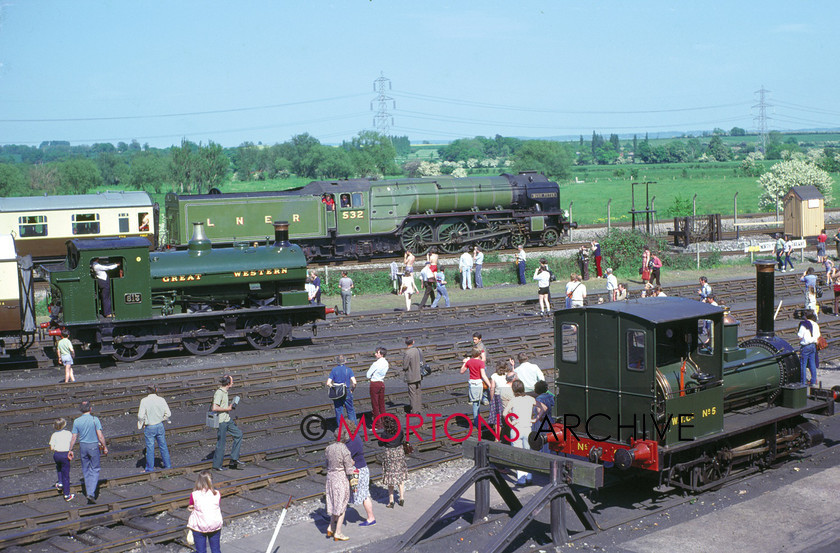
x,y
88,431
227,426
342,374
520,264
153,411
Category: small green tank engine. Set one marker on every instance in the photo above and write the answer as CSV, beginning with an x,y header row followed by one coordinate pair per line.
x,y
661,384
197,298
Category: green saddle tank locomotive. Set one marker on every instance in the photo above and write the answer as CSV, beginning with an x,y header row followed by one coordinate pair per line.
x,y
197,298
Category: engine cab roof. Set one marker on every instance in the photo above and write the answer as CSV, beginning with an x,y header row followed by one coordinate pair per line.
x,y
656,311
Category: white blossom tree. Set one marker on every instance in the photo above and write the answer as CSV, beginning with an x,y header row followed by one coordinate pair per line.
x,y
786,174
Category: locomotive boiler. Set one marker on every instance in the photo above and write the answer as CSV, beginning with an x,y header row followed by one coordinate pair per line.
x,y
197,298
363,217
662,385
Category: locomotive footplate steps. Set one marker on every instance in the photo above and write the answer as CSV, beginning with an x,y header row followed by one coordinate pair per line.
x,y
563,473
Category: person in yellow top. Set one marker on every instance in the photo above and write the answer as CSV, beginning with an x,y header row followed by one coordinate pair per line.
x,y
66,353
227,426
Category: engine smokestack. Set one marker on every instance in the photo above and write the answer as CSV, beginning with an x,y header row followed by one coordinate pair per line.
x,y
281,234
765,297
199,242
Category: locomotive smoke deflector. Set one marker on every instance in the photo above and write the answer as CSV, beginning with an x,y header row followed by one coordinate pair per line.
x,y
281,234
199,242
765,295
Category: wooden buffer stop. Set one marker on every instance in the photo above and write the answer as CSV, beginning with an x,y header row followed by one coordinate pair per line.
x,y
489,457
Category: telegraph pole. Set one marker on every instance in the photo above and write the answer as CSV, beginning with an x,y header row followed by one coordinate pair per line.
x,y
761,118
382,120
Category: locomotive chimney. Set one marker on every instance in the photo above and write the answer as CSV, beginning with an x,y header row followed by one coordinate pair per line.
x,y
199,242
765,295
281,234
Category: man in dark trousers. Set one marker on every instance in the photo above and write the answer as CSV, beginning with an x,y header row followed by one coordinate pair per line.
x,y
429,284
227,426
411,370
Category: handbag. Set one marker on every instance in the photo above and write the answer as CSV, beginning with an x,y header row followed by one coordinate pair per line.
x,y
337,391
822,343
645,274
425,370
408,449
190,538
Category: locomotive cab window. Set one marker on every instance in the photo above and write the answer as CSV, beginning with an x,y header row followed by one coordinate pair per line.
x,y
358,200
85,223
122,221
636,350
32,226
705,337
569,339
345,200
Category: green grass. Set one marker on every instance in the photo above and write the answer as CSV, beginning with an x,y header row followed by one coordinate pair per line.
x,y
714,183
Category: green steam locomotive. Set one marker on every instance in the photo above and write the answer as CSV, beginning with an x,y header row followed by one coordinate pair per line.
x,y
363,218
197,298
662,385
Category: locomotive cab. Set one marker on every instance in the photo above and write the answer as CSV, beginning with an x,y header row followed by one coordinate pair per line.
x,y
646,369
75,298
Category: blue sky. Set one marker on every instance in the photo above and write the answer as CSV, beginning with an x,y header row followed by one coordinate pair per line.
x,y
262,71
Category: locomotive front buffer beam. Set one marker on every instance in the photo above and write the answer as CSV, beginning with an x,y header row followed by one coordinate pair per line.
x,y
489,457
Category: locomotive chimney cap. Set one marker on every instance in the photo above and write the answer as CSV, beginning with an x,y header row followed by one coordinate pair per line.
x,y
199,241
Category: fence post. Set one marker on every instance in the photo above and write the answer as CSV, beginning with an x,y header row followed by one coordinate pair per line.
x,y
735,219
693,223
570,220
608,214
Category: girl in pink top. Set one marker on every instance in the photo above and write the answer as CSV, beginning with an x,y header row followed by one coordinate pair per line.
x,y
206,517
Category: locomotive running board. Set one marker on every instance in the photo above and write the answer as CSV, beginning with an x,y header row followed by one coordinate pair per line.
x,y
562,472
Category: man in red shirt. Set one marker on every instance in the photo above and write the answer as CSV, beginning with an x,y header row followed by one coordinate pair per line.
x,y
821,239
478,377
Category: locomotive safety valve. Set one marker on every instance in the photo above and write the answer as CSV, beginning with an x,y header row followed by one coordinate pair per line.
x,y
642,453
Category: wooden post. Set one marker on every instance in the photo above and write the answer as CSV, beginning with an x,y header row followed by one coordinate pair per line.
x,y
482,486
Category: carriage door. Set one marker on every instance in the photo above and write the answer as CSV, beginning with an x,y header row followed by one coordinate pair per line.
x,y
352,214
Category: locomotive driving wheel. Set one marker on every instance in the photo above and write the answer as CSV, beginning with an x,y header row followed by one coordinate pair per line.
x,y
550,237
450,233
494,243
202,338
128,348
416,237
517,239
265,333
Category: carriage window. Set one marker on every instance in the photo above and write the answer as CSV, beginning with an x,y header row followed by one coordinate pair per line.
x,y
345,200
636,350
86,223
30,226
705,337
357,200
122,219
143,221
569,340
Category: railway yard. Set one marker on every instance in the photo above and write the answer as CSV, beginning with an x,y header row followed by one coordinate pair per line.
x,y
146,511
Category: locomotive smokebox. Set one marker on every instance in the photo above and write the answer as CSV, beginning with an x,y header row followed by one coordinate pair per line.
x,y
281,234
199,242
765,295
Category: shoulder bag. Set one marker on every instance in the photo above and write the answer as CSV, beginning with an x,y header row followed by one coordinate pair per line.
x,y
337,391
822,343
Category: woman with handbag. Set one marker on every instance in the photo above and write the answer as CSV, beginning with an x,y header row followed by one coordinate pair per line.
x,y
394,469
205,520
339,467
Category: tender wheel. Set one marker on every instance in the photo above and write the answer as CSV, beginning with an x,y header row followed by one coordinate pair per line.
x,y
201,339
416,238
550,237
264,333
127,348
450,234
517,239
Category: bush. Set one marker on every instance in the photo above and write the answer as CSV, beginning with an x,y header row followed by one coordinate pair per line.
x,y
622,249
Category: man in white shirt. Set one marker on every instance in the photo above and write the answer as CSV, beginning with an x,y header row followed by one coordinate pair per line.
x,y
478,262
427,277
376,375
612,284
103,283
153,411
528,373
808,333
465,263
578,292
520,264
